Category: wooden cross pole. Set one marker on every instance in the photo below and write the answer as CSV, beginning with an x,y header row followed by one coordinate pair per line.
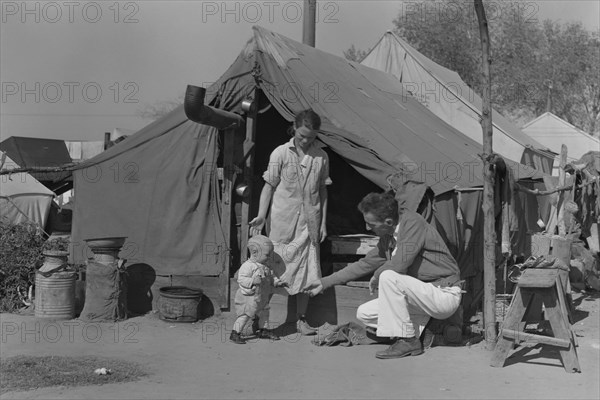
x,y
309,22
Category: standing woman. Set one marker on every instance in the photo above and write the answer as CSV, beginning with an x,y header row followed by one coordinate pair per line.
x,y
296,180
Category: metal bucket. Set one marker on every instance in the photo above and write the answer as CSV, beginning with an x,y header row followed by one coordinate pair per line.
x,y
55,295
179,304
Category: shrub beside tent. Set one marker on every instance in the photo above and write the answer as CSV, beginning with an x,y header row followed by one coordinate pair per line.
x,y
162,187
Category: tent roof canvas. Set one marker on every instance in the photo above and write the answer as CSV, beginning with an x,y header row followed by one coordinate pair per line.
x,y
449,97
369,118
554,131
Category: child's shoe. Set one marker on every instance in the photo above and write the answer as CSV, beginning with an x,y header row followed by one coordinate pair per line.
x,y
235,337
267,334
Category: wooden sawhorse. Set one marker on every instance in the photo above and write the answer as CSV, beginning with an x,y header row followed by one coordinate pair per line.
x,y
544,284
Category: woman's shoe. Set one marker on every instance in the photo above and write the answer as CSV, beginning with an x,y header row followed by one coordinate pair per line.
x,y
304,328
267,334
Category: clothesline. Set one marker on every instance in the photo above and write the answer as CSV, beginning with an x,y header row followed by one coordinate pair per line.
x,y
537,192
61,168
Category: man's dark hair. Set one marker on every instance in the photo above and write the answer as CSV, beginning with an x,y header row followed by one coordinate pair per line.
x,y
381,205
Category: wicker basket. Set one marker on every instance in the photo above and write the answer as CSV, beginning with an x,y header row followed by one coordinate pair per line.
x,y
503,301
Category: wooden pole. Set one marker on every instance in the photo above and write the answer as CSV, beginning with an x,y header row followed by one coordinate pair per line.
x,y
556,215
560,206
309,22
489,233
226,209
248,173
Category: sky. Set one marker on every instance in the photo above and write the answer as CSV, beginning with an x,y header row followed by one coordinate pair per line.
x,y
73,70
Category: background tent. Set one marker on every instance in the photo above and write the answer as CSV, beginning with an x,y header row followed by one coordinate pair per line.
x,y
22,197
36,152
449,97
160,187
553,132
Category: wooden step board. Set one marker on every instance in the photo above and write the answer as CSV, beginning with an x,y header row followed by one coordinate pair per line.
x,y
546,285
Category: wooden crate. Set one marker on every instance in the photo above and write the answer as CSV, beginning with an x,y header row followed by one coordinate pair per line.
x,y
556,246
353,244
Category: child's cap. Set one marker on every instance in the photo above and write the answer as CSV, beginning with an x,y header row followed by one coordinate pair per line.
x,y
259,242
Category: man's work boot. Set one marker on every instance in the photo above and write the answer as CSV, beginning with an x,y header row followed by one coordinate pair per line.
x,y
403,347
235,337
427,338
304,328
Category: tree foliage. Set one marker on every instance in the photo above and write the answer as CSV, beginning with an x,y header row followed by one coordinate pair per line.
x,y
574,61
159,109
537,66
354,54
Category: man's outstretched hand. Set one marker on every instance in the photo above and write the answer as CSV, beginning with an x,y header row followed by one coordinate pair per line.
x,y
314,288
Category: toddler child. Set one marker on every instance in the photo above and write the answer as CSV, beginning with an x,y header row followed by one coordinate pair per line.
x,y
256,281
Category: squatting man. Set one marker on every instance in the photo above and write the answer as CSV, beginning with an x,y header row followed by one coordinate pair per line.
x,y
416,276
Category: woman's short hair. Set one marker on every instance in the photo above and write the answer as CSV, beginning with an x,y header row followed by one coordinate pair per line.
x,y
381,205
309,119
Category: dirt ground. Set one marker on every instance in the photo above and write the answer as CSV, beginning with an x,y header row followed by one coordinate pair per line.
x,y
197,361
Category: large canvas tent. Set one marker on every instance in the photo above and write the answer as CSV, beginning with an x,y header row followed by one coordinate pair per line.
x,y
160,187
22,197
448,96
553,132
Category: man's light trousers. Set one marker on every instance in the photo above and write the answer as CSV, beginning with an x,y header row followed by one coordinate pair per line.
x,y
405,305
